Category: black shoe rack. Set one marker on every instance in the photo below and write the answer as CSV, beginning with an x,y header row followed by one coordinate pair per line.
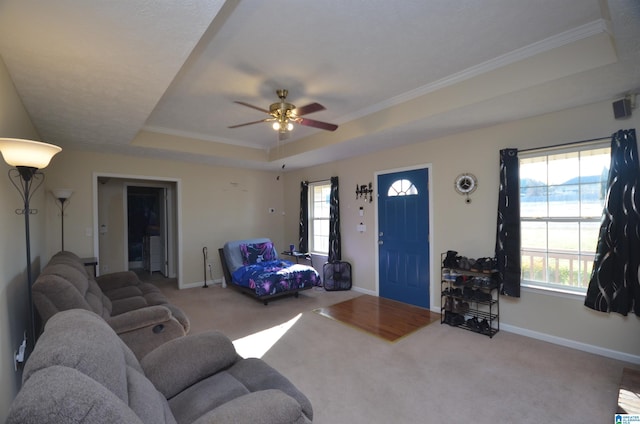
x,y
469,299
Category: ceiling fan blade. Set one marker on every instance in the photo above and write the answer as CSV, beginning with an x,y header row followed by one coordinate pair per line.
x,y
251,106
249,123
310,108
317,124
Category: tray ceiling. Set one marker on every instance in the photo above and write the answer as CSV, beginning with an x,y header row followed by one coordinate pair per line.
x,y
159,78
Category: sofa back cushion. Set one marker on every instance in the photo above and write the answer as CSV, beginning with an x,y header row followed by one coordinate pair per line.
x,y
95,357
60,287
71,259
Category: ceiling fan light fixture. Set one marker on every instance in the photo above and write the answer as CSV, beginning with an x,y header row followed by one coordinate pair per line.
x,y
284,114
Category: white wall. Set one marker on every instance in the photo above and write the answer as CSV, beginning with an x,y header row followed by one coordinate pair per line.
x,y
470,228
14,123
216,205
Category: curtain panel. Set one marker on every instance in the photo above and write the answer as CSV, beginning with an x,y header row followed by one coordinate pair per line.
x,y
614,285
303,230
335,250
507,249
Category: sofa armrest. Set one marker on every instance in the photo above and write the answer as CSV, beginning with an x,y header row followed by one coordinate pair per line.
x,y
182,362
265,407
139,318
116,280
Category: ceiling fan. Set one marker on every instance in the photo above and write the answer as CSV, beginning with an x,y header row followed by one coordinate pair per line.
x,y
284,115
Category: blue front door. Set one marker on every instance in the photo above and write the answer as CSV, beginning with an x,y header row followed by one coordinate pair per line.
x,y
403,236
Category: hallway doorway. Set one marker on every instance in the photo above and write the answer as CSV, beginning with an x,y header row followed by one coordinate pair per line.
x,y
137,225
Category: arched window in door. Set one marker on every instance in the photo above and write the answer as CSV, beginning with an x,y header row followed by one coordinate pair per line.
x,y
402,188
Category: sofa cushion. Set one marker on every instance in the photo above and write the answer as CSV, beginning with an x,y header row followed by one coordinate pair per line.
x,y
205,396
63,395
95,350
80,372
116,297
71,259
60,287
257,375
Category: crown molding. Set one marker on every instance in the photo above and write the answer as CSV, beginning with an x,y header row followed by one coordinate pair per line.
x,y
575,34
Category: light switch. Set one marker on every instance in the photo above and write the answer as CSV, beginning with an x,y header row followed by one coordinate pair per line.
x,y
362,228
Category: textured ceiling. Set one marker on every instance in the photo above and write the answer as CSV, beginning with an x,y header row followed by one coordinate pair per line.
x,y
159,78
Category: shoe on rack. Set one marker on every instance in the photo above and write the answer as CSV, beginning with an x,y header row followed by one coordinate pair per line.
x,y
488,265
457,319
448,304
453,319
460,307
473,324
485,327
461,280
468,293
445,274
482,296
452,275
476,266
464,263
450,260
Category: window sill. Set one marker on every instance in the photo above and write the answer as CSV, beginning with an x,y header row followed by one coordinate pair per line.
x,y
552,291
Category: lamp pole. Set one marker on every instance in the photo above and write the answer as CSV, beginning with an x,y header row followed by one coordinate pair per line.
x,y
62,221
27,157
26,176
62,195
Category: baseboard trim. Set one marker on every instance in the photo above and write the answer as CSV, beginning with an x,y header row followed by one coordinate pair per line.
x,y
609,353
201,284
364,291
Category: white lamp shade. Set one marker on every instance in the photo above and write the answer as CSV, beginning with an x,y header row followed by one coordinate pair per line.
x,y
34,154
62,193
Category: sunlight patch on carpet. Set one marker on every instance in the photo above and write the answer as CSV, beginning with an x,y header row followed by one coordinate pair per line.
x,y
384,318
258,344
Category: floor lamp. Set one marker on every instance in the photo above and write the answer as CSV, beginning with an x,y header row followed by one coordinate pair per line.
x,y
62,195
27,157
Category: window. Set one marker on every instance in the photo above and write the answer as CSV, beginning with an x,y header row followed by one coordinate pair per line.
x,y
561,201
402,188
319,194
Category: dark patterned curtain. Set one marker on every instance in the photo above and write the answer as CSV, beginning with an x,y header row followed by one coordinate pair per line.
x,y
508,230
335,251
303,231
614,285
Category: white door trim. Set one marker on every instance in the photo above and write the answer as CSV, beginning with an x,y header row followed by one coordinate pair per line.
x,y
178,217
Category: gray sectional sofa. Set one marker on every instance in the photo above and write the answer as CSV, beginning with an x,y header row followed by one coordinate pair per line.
x,y
138,312
81,372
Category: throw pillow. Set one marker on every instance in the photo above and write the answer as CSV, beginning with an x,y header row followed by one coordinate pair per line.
x,y
256,253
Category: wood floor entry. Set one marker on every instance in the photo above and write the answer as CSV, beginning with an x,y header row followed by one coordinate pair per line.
x,y
385,318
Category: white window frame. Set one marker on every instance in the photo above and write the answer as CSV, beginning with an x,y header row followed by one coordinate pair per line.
x,y
313,243
545,286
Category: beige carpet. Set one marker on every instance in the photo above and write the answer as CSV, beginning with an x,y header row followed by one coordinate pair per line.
x,y
438,374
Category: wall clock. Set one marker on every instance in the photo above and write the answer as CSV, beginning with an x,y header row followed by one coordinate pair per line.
x,y
466,184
